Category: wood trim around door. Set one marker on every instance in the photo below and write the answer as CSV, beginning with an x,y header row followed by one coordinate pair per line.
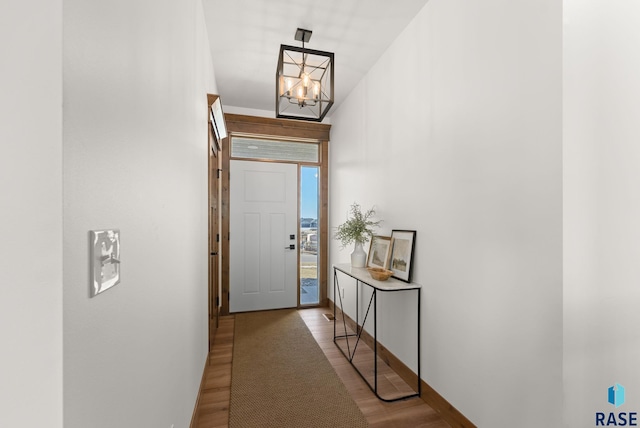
x,y
283,128
289,130
213,208
324,222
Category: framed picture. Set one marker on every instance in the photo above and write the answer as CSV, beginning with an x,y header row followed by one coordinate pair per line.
x,y
379,251
217,119
401,258
105,260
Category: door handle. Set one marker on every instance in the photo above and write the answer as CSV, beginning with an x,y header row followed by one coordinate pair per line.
x,y
290,247
213,254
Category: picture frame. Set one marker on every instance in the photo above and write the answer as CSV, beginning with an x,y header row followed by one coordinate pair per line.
x,y
401,257
105,259
217,120
379,252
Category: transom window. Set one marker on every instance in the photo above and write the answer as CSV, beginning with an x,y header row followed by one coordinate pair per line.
x,y
278,150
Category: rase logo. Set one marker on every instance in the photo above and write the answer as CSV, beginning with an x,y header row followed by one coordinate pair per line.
x,y
616,397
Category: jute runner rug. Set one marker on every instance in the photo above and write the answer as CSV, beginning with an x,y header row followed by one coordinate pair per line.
x,y
281,378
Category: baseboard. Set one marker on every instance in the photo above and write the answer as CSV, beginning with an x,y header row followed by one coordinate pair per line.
x,y
194,416
429,395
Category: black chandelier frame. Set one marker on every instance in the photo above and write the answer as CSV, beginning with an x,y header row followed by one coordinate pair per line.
x,y
315,109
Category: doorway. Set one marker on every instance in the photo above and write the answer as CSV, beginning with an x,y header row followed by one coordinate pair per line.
x,y
214,239
213,213
268,141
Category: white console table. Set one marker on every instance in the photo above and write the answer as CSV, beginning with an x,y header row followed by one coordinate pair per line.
x,y
361,275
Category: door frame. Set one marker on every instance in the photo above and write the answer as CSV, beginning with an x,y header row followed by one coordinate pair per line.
x,y
213,225
286,129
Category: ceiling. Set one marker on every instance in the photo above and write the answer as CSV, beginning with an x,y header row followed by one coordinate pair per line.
x,y
245,38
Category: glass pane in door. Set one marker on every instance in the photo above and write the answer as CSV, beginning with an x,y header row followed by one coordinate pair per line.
x,y
309,234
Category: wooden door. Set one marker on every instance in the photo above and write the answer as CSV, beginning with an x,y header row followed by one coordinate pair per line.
x,y
214,239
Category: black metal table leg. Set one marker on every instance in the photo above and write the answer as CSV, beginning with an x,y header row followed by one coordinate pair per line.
x,y
349,355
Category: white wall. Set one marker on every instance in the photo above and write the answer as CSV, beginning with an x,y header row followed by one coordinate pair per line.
x,y
456,133
249,111
31,214
136,75
601,206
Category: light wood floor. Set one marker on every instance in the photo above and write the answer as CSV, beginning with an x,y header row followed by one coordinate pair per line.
x,y
213,410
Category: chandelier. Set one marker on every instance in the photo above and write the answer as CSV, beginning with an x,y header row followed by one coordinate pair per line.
x,y
304,81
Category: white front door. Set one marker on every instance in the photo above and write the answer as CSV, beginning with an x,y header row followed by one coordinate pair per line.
x,y
263,225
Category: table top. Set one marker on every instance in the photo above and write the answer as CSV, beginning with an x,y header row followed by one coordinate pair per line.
x,y
362,274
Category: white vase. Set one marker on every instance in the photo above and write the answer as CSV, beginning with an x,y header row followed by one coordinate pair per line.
x,y
358,256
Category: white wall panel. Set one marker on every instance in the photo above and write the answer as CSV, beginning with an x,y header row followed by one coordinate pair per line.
x,y
601,207
136,76
456,133
31,214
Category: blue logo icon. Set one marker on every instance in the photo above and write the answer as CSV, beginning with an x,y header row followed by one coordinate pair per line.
x,y
616,395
